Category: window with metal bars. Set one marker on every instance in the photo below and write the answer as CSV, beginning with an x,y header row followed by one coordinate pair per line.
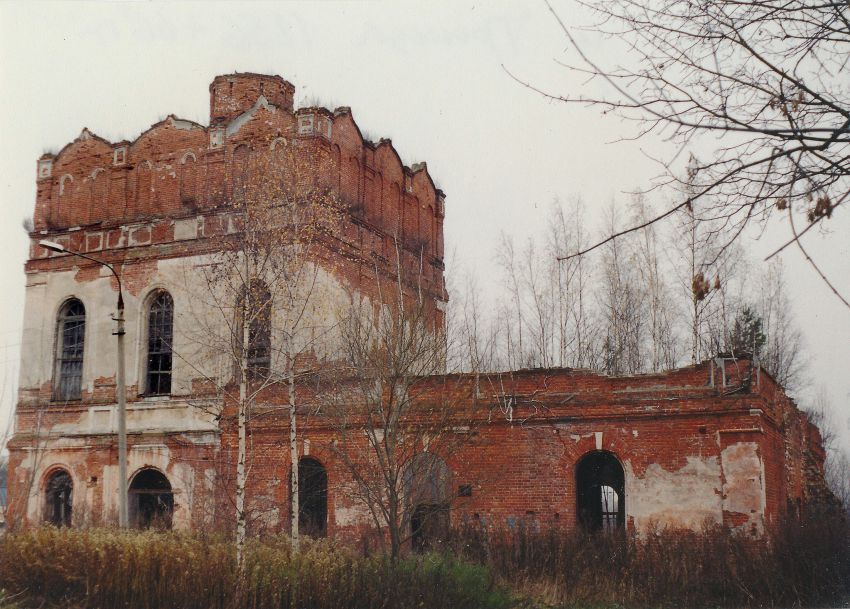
x,y
160,334
71,334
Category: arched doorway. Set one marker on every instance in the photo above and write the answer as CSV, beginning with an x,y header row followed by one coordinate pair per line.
x,y
600,492
58,498
151,502
427,484
312,497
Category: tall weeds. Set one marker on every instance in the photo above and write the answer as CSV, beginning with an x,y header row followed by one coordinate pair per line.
x,y
153,570
805,563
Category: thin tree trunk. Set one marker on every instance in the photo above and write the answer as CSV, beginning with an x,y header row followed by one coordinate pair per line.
x,y
241,474
293,451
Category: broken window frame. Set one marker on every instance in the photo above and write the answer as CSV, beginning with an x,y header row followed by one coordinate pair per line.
x,y
158,374
70,351
59,498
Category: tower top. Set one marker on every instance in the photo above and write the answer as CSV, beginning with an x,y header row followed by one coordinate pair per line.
x,y
233,94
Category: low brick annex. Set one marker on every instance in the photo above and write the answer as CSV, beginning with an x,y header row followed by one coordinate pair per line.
x,y
717,443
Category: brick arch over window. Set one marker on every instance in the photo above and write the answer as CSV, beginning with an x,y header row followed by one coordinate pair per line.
x,y
600,492
151,500
70,346
58,498
160,333
66,186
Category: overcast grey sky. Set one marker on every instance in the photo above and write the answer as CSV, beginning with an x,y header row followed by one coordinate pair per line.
x,y
427,75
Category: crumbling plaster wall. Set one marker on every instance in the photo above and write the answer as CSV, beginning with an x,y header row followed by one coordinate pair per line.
x,y
201,329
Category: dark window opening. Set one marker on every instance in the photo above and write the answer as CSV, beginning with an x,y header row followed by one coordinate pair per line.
x,y
160,334
427,484
312,498
600,486
59,499
151,500
71,339
256,311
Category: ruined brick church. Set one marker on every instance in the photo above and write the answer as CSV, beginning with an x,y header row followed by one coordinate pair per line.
x,y
716,443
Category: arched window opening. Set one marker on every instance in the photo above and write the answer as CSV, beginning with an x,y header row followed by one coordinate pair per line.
x,y
427,482
71,335
160,334
59,499
151,501
600,486
255,310
312,497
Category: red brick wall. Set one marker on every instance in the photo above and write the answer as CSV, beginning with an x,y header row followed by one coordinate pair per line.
x,y
124,201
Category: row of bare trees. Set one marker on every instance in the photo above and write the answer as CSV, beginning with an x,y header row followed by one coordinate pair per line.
x,y
664,296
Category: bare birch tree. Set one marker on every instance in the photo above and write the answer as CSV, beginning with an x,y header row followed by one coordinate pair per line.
x,y
661,337
762,83
621,306
263,304
783,354
394,428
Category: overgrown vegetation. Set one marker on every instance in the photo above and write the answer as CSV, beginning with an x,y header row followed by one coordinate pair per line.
x,y
806,564
147,570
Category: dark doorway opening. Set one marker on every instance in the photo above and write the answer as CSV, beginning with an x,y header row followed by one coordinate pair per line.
x,y
600,490
312,497
59,499
427,485
429,525
151,502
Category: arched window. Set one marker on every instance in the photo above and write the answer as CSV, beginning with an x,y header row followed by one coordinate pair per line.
x,y
151,501
160,333
600,492
255,309
71,335
312,497
58,497
427,489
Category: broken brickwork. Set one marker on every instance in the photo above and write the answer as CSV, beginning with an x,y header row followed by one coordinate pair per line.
x,y
717,444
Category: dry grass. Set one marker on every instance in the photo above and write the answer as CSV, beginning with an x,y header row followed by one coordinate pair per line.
x,y
105,568
806,564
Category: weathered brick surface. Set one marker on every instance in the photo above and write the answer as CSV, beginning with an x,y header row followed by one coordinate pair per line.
x,y
694,448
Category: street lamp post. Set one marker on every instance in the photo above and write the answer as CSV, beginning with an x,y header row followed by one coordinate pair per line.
x,y
120,389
